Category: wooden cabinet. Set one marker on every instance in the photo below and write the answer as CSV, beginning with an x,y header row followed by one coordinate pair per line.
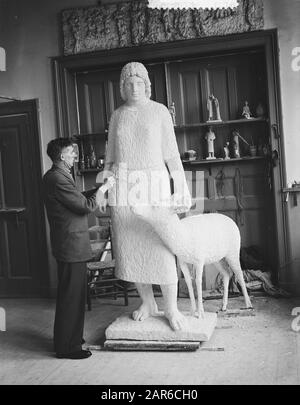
x,y
238,187
235,69
233,80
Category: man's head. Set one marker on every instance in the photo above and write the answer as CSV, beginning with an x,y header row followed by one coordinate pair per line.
x,y
62,150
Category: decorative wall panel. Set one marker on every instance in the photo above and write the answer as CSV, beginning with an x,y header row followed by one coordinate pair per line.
x,y
132,23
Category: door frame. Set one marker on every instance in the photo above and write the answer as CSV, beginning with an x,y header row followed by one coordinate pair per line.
x,y
31,109
65,69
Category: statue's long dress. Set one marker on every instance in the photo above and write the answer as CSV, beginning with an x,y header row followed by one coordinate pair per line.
x,y
141,141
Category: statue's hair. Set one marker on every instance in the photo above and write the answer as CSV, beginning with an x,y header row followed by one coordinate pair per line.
x,y
134,69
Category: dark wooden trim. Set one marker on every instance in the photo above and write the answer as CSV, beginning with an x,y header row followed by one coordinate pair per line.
x,y
279,181
165,51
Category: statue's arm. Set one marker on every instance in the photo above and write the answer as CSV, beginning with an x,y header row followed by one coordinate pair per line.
x,y
172,160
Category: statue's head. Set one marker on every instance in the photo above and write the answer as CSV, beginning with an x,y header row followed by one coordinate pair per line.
x,y
130,72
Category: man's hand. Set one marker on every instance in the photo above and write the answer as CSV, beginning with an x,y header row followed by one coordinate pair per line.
x,y
100,196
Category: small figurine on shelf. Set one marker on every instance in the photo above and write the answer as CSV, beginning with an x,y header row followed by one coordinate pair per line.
x,y
235,144
226,151
210,137
246,111
87,162
81,163
173,113
213,108
100,163
93,158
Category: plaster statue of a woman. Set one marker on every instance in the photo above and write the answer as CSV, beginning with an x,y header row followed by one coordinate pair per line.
x,y
141,138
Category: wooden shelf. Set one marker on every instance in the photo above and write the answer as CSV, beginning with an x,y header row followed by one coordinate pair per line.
x,y
96,170
291,190
199,162
219,123
220,160
12,210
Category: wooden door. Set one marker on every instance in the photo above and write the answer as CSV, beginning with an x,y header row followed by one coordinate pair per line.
x,y
23,257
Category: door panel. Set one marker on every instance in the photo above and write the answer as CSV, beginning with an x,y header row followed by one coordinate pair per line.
x,y
23,266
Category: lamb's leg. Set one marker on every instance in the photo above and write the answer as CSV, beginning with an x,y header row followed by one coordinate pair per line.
x,y
199,272
148,307
226,278
177,319
234,263
187,276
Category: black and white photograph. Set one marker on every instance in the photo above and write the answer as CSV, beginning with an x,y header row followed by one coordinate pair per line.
x,y
149,195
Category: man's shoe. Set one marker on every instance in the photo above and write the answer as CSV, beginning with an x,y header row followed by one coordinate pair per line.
x,y
80,354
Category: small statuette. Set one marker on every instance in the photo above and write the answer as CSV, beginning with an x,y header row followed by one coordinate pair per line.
x,y
226,151
246,111
210,137
87,162
235,144
100,163
213,108
172,111
93,158
81,163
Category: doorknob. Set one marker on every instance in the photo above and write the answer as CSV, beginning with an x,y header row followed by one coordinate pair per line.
x,y
15,212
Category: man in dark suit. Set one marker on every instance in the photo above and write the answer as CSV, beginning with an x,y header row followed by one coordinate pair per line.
x,y
67,211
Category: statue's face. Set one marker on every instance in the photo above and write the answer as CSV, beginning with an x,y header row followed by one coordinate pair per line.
x,y
135,89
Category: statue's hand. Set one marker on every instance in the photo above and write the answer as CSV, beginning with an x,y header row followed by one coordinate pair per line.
x,y
181,203
101,200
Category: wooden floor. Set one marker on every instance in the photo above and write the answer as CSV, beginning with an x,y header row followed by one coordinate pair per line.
x,y
260,349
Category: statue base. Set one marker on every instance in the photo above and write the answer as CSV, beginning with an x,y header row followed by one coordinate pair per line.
x,y
155,333
210,158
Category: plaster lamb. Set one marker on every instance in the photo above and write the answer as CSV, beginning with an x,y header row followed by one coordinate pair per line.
x,y
200,240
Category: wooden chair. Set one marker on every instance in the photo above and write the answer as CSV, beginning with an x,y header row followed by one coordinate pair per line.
x,y
101,279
